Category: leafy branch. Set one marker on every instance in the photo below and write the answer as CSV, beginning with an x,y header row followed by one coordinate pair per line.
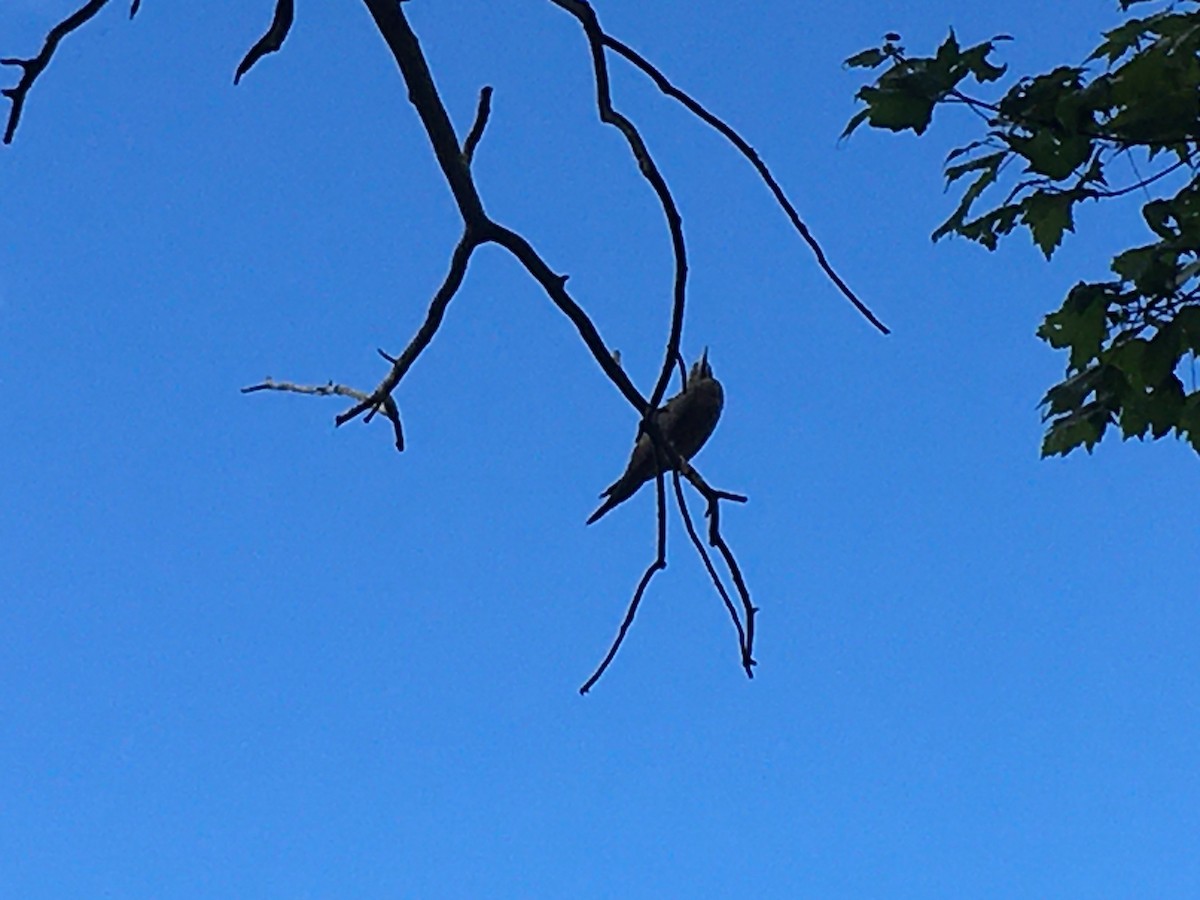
x,y
1053,139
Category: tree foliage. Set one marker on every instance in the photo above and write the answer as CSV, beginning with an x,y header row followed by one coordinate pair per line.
x,y
1051,143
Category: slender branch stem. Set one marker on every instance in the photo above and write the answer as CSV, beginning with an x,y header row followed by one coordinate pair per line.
x,y
681,501
272,39
583,11
696,108
482,112
433,320
660,563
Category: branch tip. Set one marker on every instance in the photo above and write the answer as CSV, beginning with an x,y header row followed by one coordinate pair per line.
x,y
272,39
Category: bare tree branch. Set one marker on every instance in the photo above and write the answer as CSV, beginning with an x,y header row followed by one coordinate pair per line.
x,y
422,93
433,320
34,66
555,287
329,389
406,50
272,39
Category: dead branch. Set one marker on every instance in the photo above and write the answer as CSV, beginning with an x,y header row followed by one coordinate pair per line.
x,y
390,410
370,403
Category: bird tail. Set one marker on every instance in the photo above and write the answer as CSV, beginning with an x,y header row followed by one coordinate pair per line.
x,y
612,499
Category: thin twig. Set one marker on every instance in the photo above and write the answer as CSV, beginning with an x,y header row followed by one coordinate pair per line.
x,y
582,10
660,562
390,410
481,119
664,84
33,67
712,571
272,39
433,320
555,287
749,609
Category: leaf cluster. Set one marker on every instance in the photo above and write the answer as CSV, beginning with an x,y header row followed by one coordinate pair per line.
x,y
1051,142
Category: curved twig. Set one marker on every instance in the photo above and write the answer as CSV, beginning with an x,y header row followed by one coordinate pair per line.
x,y
582,10
681,501
272,39
475,135
660,563
664,84
749,610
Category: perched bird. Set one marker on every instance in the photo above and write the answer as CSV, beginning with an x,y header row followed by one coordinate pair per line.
x,y
686,420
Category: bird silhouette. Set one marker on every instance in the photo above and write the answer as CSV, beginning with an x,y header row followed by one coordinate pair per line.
x,y
686,420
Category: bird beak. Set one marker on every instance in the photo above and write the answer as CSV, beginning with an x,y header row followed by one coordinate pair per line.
x,y
704,367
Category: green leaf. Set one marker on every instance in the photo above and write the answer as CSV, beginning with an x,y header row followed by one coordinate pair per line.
x,y
976,61
1164,406
1129,357
991,166
1048,215
1119,40
1162,354
1083,429
868,59
1072,393
988,228
988,161
1188,322
898,107
1055,155
1080,324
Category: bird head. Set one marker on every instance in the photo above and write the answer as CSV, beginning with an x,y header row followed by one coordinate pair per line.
x,y
700,369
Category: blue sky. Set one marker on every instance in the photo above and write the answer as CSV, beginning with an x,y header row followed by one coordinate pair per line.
x,y
247,655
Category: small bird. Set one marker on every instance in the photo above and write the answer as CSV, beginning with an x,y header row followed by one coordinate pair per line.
x,y
686,420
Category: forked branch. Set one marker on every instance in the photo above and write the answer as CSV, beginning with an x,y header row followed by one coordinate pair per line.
x,y
32,67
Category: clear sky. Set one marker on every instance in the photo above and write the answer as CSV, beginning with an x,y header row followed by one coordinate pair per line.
x,y
243,654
